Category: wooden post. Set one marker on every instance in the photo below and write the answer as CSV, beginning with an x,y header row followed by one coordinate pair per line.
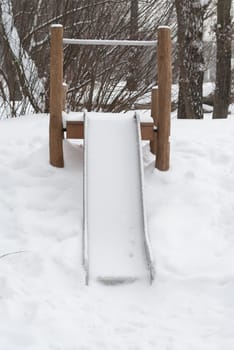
x,y
164,98
56,96
65,88
154,115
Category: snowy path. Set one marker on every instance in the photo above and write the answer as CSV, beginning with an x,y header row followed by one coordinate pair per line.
x,y
114,204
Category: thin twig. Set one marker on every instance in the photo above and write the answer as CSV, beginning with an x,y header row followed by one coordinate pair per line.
x,y
13,253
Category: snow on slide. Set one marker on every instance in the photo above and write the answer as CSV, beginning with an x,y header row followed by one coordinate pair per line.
x,y
116,246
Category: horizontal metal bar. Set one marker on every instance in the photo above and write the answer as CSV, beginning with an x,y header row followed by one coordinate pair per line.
x,y
109,42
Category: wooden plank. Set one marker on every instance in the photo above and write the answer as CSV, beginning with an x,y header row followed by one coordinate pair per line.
x,y
75,130
154,115
164,98
147,131
56,96
65,89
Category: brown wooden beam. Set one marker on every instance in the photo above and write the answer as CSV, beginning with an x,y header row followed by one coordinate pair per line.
x,y
154,115
75,130
56,96
164,98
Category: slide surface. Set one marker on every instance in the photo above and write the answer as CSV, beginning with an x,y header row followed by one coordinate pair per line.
x,y
115,242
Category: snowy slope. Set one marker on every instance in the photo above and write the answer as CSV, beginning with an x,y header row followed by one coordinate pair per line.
x,y
44,303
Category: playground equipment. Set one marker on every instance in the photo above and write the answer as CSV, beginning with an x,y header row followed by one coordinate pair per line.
x,y
157,132
116,241
114,215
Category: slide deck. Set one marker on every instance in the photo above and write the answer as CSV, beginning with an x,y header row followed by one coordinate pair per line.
x,y
116,245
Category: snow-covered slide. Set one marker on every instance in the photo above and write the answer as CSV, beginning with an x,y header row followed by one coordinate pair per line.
x,y
116,243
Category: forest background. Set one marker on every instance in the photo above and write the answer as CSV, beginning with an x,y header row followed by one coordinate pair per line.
x,y
116,79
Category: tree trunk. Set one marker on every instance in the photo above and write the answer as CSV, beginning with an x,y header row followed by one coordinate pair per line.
x,y
190,55
133,52
223,59
134,20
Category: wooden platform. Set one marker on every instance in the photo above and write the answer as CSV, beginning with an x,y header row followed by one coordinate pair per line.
x,y
75,130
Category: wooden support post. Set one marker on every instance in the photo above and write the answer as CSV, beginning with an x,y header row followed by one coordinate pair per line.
x,y
154,115
56,96
65,88
164,98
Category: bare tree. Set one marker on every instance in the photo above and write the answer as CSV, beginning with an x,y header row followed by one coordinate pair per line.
x,y
98,77
133,54
190,55
21,74
223,59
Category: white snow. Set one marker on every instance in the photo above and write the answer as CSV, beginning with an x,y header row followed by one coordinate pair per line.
x,y
164,27
208,88
44,303
204,2
79,116
56,25
114,215
109,42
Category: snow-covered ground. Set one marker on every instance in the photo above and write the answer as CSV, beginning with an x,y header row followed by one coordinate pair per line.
x,y
44,303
